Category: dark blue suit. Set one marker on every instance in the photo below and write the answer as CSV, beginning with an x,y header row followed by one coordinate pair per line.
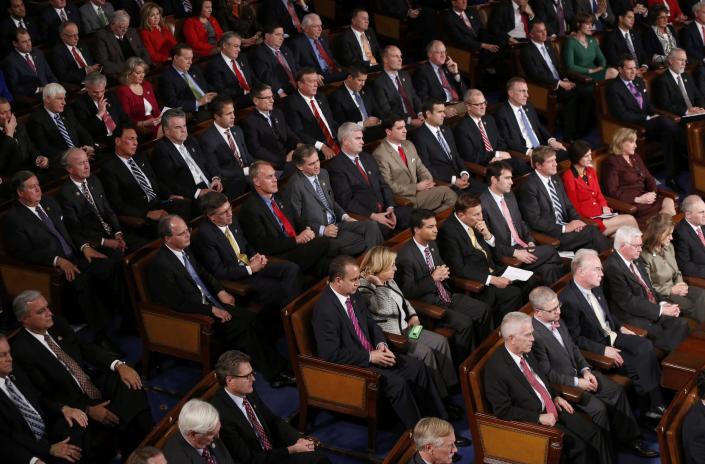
x,y
21,78
268,69
49,21
175,92
235,182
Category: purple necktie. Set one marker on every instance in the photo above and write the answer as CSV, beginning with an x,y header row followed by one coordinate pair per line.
x,y
636,94
442,292
358,331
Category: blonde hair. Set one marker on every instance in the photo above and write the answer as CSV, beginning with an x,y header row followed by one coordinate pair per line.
x,y
622,135
146,10
377,259
431,430
129,67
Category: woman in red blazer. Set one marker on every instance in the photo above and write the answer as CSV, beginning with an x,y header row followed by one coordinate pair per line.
x,y
138,100
581,186
203,32
155,34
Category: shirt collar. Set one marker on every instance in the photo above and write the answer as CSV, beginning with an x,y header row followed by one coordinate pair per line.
x,y
497,198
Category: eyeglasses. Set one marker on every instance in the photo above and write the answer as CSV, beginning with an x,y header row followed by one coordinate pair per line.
x,y
269,97
249,375
483,103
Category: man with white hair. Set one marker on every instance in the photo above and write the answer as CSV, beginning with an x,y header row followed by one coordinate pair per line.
x,y
197,440
675,91
100,113
517,391
117,42
435,442
313,50
630,292
688,238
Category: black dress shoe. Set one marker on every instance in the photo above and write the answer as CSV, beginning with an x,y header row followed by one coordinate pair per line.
x,y
638,448
673,184
462,442
283,380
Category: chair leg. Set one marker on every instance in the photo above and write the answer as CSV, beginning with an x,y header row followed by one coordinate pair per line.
x,y
371,434
303,416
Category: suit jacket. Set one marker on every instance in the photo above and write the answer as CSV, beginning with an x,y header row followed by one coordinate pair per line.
x,y
109,54
690,252
223,80
86,112
691,40
501,21
382,304
170,284
663,269
584,327
305,56
498,225
414,277
177,449
21,78
345,108
349,51
8,28
274,12
268,69
90,19
469,140
511,132
585,6
239,436
17,152
214,145
272,142
462,257
172,170
546,10
441,165
692,434
49,21
122,189
215,253
458,33
537,207
196,35
668,97
428,84
652,45
177,8
133,8
352,191
64,64
174,92
336,340
401,178
559,363
388,96
622,104
262,228
535,66
308,207
300,117
614,45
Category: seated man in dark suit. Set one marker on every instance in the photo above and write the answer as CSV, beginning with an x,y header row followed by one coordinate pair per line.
x,y
17,18
266,128
289,14
547,208
512,237
352,103
184,86
558,16
439,77
692,438
229,72
309,114
177,280
690,37
26,69
274,63
509,22
559,359
601,10
478,139
674,91
630,292
517,391
309,193
358,45
346,333
463,29
541,65
268,223
71,61
519,123
421,275
595,328
224,142
54,129
197,438
53,15
688,237
81,375
249,430
628,101
394,90
227,255
35,427
99,113
116,43
435,442
419,16
359,187
464,242
311,50
622,40
16,148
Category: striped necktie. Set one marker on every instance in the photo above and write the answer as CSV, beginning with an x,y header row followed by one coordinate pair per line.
x,y
62,130
322,197
141,179
356,326
76,371
557,207
30,415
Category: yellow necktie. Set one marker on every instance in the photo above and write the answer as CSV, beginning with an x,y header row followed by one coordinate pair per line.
x,y
475,244
241,256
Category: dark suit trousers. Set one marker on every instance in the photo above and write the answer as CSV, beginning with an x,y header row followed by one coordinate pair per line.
x,y
589,237
99,290
403,214
640,362
276,285
577,110
472,321
354,238
548,266
310,256
501,301
670,135
666,333
583,441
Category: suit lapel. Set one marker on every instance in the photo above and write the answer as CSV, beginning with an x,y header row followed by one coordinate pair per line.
x,y
512,366
347,322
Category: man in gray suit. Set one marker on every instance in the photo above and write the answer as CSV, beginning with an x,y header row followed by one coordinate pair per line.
x,y
117,42
309,193
95,14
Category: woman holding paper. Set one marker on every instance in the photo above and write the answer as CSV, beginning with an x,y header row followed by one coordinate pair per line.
x,y
580,182
625,177
660,259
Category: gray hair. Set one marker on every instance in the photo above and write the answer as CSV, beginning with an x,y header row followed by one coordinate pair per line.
x,y
171,114
540,296
624,236
53,90
21,301
431,431
308,19
432,44
472,92
95,78
690,202
228,363
580,256
63,26
198,417
119,16
164,226
227,35
67,154
512,322
673,52
698,6
346,130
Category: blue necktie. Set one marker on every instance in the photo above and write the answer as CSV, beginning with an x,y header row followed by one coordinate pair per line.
x,y
199,283
444,144
68,251
62,130
529,130
361,105
556,202
322,197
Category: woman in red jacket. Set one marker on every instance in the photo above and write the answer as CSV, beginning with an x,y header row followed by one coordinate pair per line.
x,y
203,32
155,34
581,185
138,100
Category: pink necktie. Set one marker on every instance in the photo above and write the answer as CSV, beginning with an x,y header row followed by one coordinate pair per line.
x,y
699,231
637,274
483,134
442,292
233,147
510,223
356,325
466,20
446,85
536,385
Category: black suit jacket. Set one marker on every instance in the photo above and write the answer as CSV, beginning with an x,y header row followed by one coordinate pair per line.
x,y
177,8
172,171
177,449
652,45
261,227
17,152
668,97
175,92
691,40
537,207
614,45
622,104
388,96
300,117
561,364
86,113
469,140
345,108
434,157
511,132
20,77
690,252
274,12
535,66
465,260
498,225
585,6
64,64
223,80
305,56
49,21
272,142
122,189
268,69
349,51
501,21
546,10
458,33
8,28
215,253
692,437
414,277
351,190
428,85
624,292
213,144
171,285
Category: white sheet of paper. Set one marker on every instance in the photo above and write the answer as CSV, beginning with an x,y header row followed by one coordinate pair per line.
x,y
514,273
566,254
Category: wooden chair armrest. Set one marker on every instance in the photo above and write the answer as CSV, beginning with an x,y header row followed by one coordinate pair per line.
x,y
132,222
519,155
477,169
427,309
599,361
205,321
359,217
510,261
236,288
637,330
397,343
543,239
401,201
667,193
53,271
341,369
526,427
620,206
467,285
572,394
694,281
577,77
668,115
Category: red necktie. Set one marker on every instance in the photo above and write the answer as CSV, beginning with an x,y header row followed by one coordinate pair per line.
x,y
236,9
282,61
402,155
326,57
637,274
294,16
257,425
405,98
233,147
483,134
76,56
446,85
362,171
699,232
536,385
208,457
30,63
510,224
240,78
356,326
288,228
330,141
525,22
109,122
